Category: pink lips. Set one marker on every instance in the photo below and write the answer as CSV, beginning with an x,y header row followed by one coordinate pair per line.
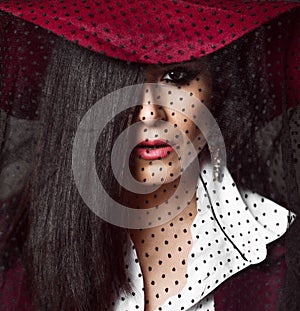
x,y
153,149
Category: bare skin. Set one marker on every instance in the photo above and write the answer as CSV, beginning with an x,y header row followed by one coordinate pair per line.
x,y
163,250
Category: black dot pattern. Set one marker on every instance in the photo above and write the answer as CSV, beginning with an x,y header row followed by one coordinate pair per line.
x,y
29,48
247,222
16,156
214,255
189,29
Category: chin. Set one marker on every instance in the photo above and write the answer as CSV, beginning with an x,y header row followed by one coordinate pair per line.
x,y
154,174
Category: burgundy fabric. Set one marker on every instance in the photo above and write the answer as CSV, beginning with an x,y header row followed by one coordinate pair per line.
x,y
283,45
151,31
181,30
264,280
258,287
21,79
293,61
148,32
14,294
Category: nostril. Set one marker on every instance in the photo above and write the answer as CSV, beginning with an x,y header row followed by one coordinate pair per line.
x,y
151,112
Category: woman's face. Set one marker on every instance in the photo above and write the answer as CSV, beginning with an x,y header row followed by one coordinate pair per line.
x,y
164,131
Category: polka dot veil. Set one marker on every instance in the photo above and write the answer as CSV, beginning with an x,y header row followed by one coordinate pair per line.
x,y
149,155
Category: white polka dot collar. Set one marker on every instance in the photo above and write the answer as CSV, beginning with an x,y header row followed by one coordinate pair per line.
x,y
229,233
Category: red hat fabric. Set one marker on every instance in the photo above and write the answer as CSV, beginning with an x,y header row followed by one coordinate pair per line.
x,y
149,31
152,32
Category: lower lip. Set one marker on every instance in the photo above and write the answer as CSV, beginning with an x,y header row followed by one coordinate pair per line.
x,y
153,154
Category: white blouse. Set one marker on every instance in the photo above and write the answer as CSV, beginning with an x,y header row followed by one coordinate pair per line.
x,y
248,221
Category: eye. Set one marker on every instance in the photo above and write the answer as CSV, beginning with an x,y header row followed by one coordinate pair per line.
x,y
179,75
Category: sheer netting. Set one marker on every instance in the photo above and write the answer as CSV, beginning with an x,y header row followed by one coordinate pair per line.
x,y
197,101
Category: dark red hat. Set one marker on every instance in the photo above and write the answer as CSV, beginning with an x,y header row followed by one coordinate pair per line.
x,y
155,31
152,31
140,31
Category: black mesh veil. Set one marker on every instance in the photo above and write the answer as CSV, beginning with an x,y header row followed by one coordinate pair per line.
x,y
56,254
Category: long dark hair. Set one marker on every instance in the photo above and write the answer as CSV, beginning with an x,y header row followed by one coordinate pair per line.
x,y
73,259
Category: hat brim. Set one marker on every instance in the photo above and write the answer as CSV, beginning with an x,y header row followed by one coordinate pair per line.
x,y
149,31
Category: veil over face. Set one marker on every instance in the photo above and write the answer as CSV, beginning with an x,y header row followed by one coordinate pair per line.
x,y
251,51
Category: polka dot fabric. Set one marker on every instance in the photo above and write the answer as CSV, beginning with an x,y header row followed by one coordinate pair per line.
x,y
229,252
14,291
228,235
170,34
24,44
173,31
265,280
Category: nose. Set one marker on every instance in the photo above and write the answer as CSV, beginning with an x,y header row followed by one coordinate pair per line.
x,y
150,110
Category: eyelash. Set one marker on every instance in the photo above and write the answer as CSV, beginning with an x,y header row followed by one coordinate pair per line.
x,y
185,76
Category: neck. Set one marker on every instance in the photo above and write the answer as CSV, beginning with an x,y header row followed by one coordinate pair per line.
x,y
163,253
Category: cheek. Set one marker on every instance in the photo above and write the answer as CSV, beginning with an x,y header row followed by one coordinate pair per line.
x,y
201,88
187,126
180,121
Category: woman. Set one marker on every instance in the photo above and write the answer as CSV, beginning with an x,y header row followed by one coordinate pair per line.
x,y
75,260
